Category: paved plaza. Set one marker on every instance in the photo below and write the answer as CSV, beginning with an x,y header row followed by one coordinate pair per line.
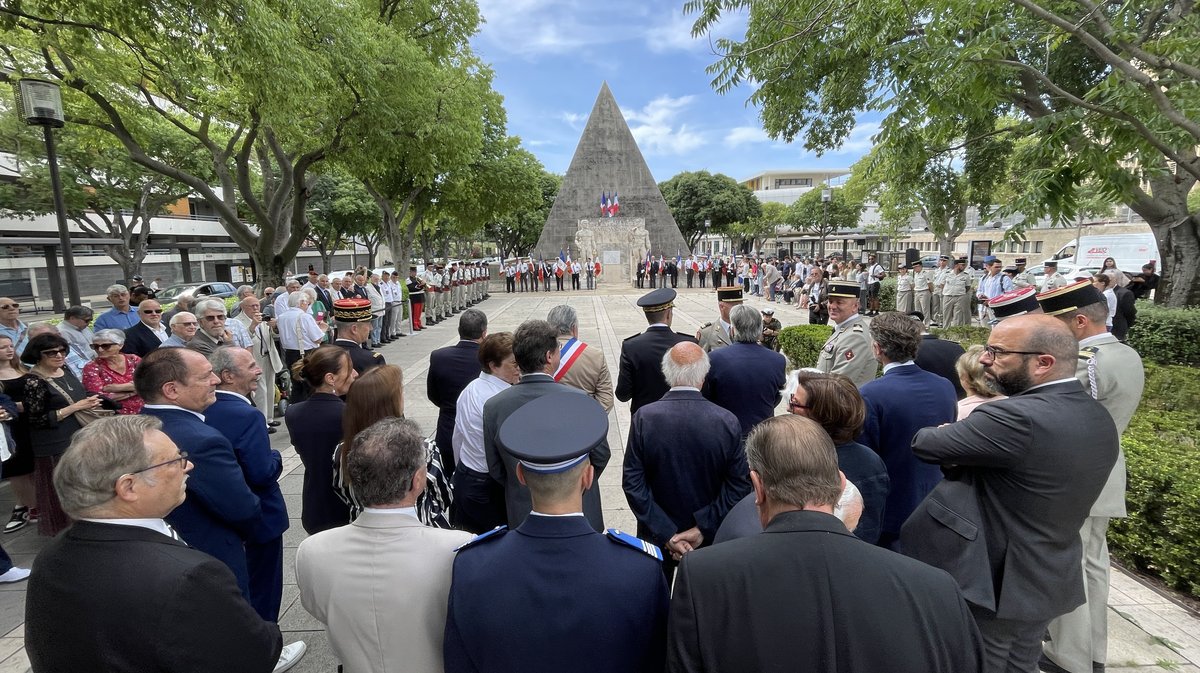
x,y
1148,631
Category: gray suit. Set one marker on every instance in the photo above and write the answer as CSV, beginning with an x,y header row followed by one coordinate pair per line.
x,y
1112,373
503,466
1035,479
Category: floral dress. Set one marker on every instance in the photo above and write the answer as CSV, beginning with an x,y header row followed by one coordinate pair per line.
x,y
97,374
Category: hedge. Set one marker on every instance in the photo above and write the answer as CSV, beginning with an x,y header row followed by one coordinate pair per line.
x,y
1161,536
802,343
1169,336
964,335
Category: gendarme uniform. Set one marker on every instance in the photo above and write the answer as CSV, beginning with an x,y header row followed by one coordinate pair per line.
x,y
1024,277
922,285
956,295
1053,280
347,312
848,350
553,590
904,289
1112,373
714,335
1014,303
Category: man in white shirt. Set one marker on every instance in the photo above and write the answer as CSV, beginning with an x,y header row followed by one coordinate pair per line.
x,y
281,299
74,328
389,302
391,614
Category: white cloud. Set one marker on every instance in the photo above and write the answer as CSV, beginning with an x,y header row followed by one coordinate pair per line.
x,y
860,139
745,135
536,27
655,129
674,32
574,119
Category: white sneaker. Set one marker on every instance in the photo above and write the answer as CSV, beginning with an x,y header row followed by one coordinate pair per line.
x,y
14,574
289,657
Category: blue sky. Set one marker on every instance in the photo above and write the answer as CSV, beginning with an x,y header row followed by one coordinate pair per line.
x,y
550,57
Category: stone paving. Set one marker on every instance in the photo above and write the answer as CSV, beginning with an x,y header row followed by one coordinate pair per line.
x,y
1148,630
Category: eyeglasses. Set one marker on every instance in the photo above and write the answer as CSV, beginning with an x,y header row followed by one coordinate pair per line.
x,y
152,310
793,405
54,352
996,351
10,306
181,459
97,347
189,324
212,318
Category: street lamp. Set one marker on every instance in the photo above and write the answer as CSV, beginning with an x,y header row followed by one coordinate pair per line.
x,y
826,196
40,103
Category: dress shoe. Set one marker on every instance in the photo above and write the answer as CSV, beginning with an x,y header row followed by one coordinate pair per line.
x,y
14,574
290,656
376,345
273,424
271,431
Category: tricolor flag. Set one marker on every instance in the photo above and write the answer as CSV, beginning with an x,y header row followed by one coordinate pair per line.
x,y
615,208
562,256
603,204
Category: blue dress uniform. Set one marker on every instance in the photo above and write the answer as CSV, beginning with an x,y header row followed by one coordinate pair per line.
x,y
555,595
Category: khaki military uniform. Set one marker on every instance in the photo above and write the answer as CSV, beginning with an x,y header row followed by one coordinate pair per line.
x,y
904,292
1112,373
922,283
848,352
431,295
937,303
1024,279
1054,281
956,299
712,335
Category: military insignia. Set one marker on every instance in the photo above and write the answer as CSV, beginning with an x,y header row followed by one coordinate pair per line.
x,y
377,355
706,325
829,347
849,355
635,335
623,538
1088,352
858,327
493,534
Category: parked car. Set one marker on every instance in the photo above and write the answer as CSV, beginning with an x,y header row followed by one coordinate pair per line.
x,y
172,293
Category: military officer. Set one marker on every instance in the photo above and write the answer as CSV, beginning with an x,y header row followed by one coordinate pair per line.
x,y
904,289
1024,277
553,594
431,294
713,335
848,350
922,286
937,306
1014,303
353,319
640,377
1053,280
771,329
956,295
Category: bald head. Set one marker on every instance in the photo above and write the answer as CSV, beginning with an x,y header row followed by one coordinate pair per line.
x,y
1029,350
686,364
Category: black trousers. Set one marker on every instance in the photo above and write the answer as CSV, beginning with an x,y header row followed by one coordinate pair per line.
x,y
510,284
1009,645
478,501
264,561
690,273
574,281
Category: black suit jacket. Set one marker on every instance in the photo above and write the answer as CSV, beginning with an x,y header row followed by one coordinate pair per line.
x,y
640,378
503,466
108,597
807,595
315,426
1037,461
938,356
140,340
450,370
1126,313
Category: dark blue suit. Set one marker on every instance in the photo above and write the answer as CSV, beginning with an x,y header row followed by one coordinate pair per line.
x,y
220,510
244,426
554,595
450,370
899,403
746,379
684,466
315,426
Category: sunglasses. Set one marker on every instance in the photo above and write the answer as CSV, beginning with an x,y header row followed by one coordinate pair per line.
x,y
98,347
54,352
10,306
152,310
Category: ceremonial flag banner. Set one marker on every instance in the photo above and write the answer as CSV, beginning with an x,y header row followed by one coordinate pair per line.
x,y
603,204
615,208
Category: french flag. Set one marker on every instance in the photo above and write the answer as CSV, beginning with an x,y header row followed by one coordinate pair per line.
x,y
615,208
603,203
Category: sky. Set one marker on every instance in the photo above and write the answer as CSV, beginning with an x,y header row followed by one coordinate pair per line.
x,y
551,56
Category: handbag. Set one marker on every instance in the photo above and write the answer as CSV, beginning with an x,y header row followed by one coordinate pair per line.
x,y
82,416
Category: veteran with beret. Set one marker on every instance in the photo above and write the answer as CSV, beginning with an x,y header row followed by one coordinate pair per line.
x,y
553,594
848,350
713,335
353,320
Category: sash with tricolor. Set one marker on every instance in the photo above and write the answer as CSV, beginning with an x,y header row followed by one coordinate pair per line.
x,y
567,355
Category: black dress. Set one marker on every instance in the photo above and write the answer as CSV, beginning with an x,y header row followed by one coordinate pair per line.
x,y
50,438
21,462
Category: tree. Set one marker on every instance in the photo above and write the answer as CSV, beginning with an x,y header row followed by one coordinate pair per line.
x,y
815,217
1106,91
517,232
340,211
699,197
753,233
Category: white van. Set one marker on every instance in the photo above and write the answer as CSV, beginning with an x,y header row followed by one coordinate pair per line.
x,y
1130,251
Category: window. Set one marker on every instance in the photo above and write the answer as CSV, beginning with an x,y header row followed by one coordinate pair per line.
x,y
793,182
1037,247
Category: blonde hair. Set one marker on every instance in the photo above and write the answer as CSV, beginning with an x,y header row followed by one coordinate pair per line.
x,y
970,373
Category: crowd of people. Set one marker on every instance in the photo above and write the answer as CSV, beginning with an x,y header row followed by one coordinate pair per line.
x,y
926,508
526,274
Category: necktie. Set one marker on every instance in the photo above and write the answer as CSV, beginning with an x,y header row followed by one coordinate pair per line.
x,y
174,534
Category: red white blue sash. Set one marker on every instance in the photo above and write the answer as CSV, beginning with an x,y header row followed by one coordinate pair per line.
x,y
570,352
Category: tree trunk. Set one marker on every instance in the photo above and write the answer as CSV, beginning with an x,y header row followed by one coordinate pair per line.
x,y
1179,248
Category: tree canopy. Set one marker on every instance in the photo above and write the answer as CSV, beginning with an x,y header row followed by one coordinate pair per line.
x,y
1107,92
700,196
810,214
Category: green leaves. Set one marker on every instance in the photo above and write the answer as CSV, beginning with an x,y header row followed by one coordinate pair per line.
x,y
695,197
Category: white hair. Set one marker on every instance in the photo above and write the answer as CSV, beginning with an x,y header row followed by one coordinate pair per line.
x,y
747,324
691,374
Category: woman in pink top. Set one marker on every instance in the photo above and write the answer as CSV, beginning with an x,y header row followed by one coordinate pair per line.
x,y
970,375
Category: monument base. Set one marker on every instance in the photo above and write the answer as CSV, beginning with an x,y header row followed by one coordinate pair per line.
x,y
618,242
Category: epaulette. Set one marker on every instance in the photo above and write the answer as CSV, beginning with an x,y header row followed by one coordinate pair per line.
x,y
630,337
857,326
631,541
378,355
1088,352
493,534
706,325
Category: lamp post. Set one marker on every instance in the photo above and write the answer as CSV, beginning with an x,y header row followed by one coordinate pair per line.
x,y
41,105
826,196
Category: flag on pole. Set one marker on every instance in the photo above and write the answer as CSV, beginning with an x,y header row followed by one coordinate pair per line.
x,y
615,208
603,204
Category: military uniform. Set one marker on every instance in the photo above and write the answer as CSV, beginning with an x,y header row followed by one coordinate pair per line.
x,y
362,357
714,335
771,328
956,297
640,377
347,312
937,304
1024,277
848,352
1053,281
904,290
922,286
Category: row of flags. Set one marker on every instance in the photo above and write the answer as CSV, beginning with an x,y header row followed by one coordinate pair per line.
x,y
609,207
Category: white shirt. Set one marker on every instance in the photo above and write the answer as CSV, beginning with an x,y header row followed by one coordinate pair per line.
x,y
197,414
298,330
1110,295
281,303
892,365
156,525
406,511
161,332
467,441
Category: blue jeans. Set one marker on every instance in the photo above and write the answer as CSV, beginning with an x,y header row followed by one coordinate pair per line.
x,y
376,326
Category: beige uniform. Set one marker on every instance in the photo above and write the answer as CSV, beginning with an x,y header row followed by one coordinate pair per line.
x,y
1024,279
712,336
1053,281
938,306
922,286
848,352
956,299
589,373
1112,373
904,291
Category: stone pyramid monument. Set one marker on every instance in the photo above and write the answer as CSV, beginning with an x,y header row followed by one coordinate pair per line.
x,y
607,161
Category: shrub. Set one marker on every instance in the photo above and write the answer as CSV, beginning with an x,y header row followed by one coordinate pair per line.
x,y
887,294
965,335
1161,536
1169,336
802,343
